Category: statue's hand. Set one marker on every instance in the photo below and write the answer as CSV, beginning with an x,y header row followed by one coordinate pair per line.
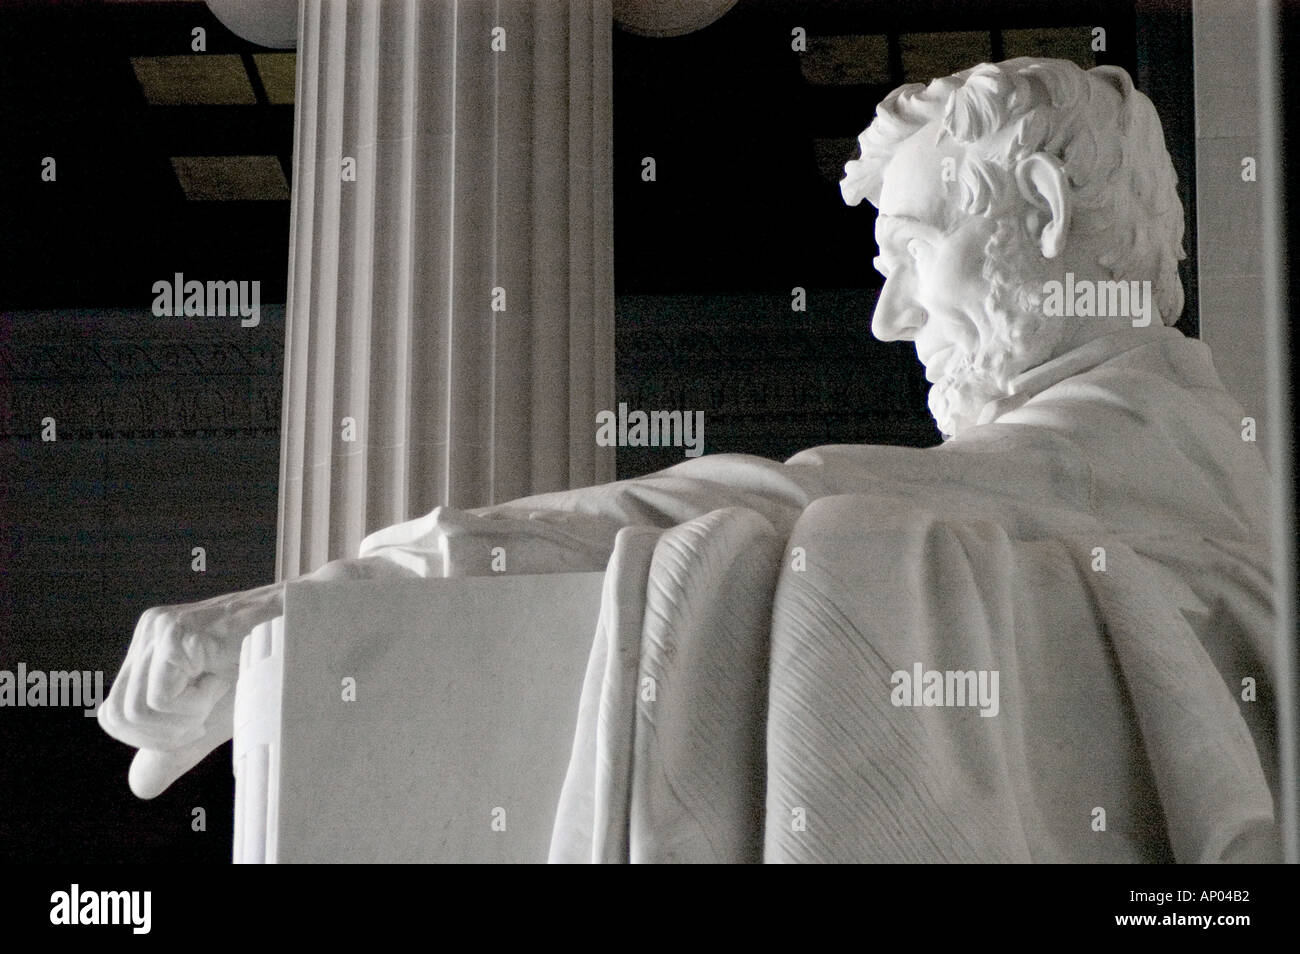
x,y
174,698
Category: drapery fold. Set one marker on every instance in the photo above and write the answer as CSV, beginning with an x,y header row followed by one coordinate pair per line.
x,y
668,758
451,278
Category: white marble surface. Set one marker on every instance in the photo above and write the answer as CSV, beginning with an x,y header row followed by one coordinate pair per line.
x,y
466,700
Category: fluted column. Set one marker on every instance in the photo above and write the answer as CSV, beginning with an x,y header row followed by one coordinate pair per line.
x,y
451,287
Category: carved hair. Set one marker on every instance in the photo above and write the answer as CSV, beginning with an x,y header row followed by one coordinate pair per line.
x,y
1105,133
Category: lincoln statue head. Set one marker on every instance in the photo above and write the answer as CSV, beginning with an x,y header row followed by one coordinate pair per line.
x,y
1001,190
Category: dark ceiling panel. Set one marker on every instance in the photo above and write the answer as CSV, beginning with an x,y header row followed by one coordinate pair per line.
x,y
115,218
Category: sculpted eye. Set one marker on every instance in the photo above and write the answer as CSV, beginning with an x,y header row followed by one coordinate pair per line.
x,y
915,247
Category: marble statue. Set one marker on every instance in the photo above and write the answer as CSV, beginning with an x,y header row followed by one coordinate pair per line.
x,y
1087,551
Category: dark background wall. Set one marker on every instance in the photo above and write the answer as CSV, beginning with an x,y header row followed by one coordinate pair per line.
x,y
169,428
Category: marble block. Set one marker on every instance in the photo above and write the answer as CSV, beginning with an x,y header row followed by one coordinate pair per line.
x,y
451,740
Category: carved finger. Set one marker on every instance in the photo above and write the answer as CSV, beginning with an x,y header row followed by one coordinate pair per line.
x,y
153,770
174,687
149,727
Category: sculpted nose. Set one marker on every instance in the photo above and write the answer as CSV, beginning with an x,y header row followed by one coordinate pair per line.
x,y
897,316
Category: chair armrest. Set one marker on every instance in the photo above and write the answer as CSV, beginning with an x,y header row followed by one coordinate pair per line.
x,y
410,720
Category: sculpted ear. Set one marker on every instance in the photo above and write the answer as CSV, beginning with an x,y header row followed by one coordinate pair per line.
x,y
1042,183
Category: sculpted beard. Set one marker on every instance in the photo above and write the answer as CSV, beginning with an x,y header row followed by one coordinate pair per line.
x,y
1014,337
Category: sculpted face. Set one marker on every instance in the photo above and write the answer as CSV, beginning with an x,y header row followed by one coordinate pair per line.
x,y
948,289
930,254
